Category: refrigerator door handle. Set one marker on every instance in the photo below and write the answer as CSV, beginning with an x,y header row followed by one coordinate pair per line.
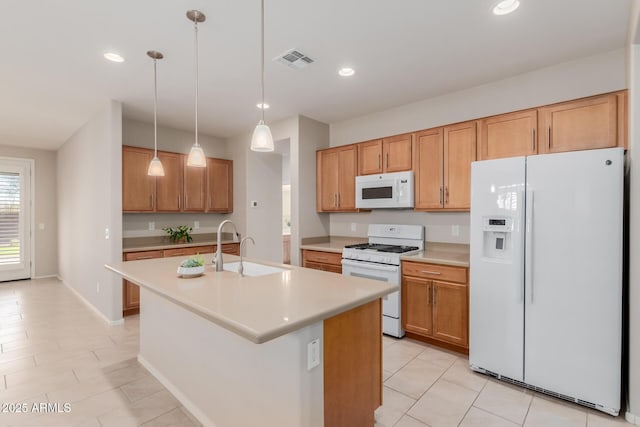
x,y
528,265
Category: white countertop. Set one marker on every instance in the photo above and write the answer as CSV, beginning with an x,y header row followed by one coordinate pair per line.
x,y
257,308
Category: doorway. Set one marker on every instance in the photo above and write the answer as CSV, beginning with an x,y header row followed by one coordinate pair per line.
x,y
283,148
15,219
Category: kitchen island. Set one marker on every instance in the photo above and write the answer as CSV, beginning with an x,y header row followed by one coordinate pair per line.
x,y
235,350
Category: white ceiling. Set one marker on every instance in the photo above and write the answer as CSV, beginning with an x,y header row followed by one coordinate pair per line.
x,y
53,76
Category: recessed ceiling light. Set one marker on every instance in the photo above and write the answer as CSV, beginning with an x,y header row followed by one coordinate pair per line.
x,y
111,56
261,106
505,7
346,72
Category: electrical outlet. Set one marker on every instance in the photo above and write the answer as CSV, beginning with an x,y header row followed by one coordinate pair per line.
x,y
313,354
41,226
98,287
455,230
353,226
106,234
196,225
152,225
254,203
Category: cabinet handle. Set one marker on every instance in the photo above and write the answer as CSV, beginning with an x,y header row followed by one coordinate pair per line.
x,y
433,291
152,204
144,257
440,193
379,161
209,201
446,195
185,202
335,200
428,295
387,160
437,273
338,199
319,258
178,253
533,139
179,201
549,137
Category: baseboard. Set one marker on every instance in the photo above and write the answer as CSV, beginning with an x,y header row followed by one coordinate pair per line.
x,y
631,418
438,343
91,306
186,402
48,276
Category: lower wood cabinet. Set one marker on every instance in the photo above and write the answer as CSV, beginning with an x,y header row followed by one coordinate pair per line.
x,y
320,260
435,304
131,291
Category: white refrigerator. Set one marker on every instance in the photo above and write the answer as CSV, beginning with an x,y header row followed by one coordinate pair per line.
x,y
546,273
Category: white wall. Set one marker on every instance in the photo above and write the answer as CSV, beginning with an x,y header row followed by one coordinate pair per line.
x,y
565,81
89,180
140,134
44,202
633,157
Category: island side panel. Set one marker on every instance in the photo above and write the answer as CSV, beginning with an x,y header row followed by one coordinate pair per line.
x,y
224,379
353,366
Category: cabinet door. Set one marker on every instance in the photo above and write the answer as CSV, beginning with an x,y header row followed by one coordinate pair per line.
x,y
416,305
138,188
580,125
327,180
169,186
194,188
348,169
370,157
397,152
130,296
219,185
429,187
450,313
459,152
508,135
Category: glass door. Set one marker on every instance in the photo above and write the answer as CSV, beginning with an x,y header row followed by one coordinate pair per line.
x,y
15,219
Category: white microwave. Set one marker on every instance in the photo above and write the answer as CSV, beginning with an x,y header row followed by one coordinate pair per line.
x,y
387,190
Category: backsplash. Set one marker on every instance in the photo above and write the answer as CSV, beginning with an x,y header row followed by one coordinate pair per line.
x,y
446,227
137,224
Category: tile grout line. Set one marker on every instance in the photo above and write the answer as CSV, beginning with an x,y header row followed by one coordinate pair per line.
x,y
429,388
474,401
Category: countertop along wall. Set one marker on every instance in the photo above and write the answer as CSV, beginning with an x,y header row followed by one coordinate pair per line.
x,y
46,212
565,81
140,134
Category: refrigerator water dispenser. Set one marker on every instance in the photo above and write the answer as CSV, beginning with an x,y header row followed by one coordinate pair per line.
x,y
497,233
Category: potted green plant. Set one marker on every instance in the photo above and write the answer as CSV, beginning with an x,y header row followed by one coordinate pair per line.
x,y
191,267
180,234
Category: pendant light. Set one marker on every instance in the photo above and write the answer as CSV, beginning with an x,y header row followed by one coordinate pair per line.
x,y
196,155
262,139
155,167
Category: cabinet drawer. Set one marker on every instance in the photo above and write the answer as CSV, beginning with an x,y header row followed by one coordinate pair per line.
x,y
133,256
230,248
323,257
435,271
188,251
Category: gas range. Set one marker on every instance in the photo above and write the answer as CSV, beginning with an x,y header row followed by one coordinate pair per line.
x,y
380,260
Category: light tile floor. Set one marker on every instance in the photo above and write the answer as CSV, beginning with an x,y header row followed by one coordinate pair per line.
x,y
56,350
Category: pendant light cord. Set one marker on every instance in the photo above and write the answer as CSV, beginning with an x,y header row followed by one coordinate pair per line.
x,y
155,108
196,46
262,54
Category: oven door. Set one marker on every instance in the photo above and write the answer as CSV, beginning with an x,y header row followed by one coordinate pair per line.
x,y
381,272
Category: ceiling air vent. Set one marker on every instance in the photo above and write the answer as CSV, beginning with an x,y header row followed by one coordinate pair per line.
x,y
294,59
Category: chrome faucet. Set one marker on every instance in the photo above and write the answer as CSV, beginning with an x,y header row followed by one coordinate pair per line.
x,y
241,267
218,258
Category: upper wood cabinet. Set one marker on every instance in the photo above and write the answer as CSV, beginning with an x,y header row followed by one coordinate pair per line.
x,y
508,135
169,186
195,185
181,189
138,188
336,170
219,185
443,167
385,155
579,125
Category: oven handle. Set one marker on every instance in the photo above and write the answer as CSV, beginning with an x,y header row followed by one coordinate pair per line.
x,y
370,265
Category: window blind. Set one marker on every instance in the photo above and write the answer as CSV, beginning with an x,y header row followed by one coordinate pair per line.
x,y
9,218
